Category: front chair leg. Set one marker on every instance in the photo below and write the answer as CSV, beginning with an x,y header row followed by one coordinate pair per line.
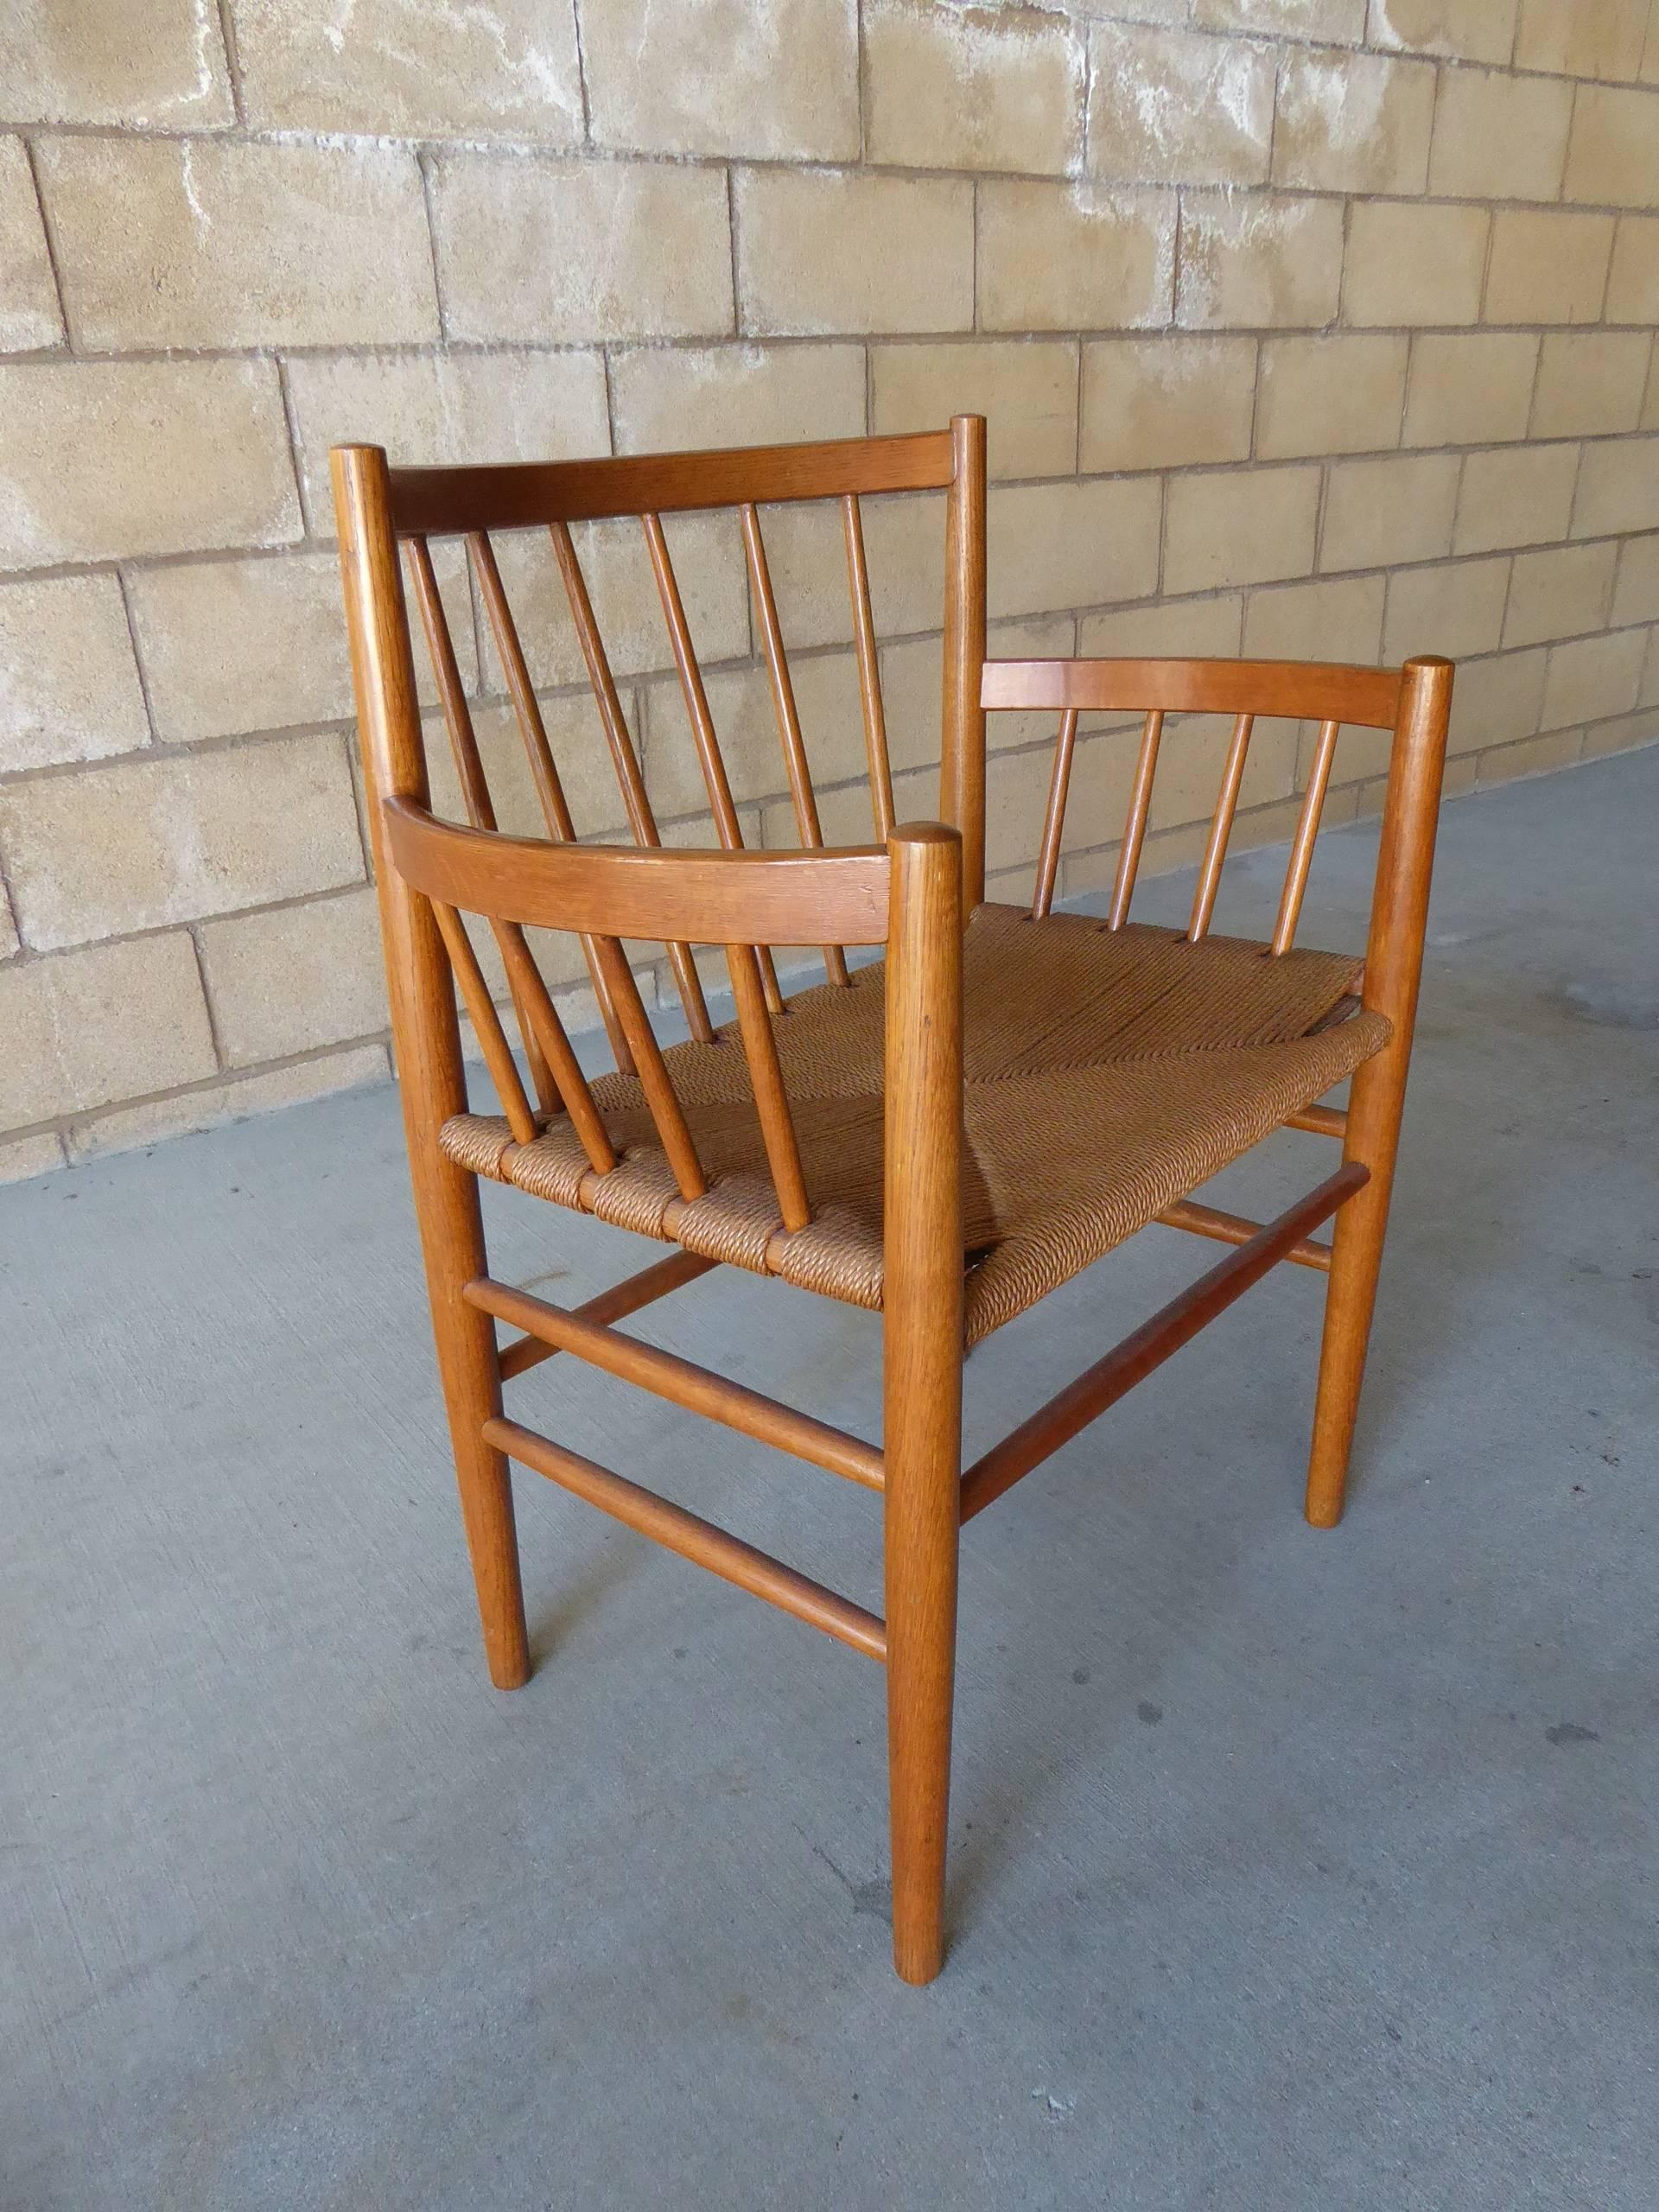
x,y
922,1526
922,1354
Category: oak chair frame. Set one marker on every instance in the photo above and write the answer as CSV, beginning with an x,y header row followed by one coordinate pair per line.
x,y
910,893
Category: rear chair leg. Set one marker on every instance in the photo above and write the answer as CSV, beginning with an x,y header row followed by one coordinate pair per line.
x,y
426,1043
1394,958
1374,1112
471,1389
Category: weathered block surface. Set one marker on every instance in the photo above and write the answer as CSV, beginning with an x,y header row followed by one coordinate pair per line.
x,y
643,250
1259,261
1380,512
132,845
805,262
28,295
294,977
1025,389
70,690
739,395
112,459
109,1022
1498,136
1169,107
1330,395
1165,402
1347,123
1457,611
1061,257
1467,30
1523,497
155,65
1414,262
187,242
1072,544
419,68
1318,326
993,89
777,83
1240,526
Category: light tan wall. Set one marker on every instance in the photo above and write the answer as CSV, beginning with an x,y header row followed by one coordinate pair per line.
x,y
1303,326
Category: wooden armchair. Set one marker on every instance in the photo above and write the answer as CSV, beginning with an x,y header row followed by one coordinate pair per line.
x,y
945,1137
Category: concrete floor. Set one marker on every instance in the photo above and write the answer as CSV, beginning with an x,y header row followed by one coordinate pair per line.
x,y
1306,1872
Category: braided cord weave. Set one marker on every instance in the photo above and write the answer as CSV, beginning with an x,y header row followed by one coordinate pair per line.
x,y
1108,1073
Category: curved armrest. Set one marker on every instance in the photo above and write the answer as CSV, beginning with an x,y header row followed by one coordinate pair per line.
x,y
835,896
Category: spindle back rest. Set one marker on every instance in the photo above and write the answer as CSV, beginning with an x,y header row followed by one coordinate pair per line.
x,y
744,903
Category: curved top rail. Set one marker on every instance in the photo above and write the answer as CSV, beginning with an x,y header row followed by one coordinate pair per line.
x,y
1301,690
837,896
520,495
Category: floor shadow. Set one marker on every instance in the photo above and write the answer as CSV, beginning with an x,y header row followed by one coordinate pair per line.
x,y
557,1624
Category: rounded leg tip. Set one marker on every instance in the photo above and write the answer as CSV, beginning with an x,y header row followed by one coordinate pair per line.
x,y
917,1960
509,1669
1322,1512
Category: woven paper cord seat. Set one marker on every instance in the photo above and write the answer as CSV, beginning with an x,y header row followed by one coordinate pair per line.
x,y
1109,1072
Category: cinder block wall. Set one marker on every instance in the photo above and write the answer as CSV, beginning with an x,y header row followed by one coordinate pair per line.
x,y
1304,326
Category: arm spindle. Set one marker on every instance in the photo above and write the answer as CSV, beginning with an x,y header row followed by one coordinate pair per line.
x,y
1307,829
1048,863
1203,904
1135,828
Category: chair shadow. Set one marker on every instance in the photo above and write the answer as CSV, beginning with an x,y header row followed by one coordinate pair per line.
x,y
555,1626
1420,1339
1458,1200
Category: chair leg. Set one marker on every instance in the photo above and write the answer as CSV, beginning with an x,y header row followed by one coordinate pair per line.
x,y
921,1358
454,1237
922,1449
1376,1104
431,1081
